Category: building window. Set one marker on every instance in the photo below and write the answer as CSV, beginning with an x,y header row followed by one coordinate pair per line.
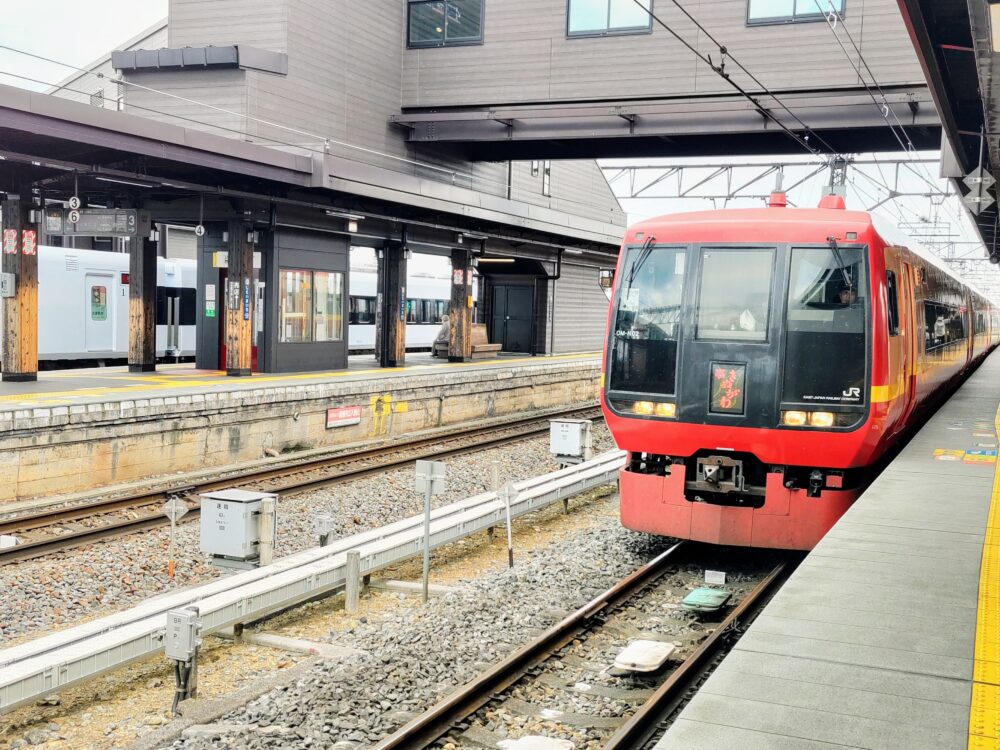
x,y
604,17
791,11
440,23
311,306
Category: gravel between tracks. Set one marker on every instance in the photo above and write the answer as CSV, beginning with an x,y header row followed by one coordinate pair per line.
x,y
414,658
77,585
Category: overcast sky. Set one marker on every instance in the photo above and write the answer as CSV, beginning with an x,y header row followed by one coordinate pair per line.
x,y
71,31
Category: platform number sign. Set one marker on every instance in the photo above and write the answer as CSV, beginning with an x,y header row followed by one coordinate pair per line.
x,y
10,242
29,242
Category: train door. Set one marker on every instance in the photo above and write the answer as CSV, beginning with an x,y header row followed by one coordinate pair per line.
x,y
258,313
512,315
99,322
909,333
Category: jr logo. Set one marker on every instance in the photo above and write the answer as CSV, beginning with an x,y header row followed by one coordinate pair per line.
x,y
854,393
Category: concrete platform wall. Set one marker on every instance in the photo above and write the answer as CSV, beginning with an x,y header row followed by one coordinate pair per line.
x,y
66,449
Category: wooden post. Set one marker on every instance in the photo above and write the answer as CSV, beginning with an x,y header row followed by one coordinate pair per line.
x,y
142,304
239,301
460,312
390,311
20,312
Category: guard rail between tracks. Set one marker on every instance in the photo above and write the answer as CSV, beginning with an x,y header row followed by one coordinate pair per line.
x,y
46,665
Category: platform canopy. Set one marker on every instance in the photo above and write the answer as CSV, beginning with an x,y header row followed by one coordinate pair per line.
x,y
956,48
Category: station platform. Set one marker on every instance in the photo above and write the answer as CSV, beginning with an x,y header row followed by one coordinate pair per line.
x,y
888,634
74,430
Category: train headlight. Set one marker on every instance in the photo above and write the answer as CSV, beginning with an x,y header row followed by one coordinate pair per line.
x,y
644,408
793,418
666,410
821,419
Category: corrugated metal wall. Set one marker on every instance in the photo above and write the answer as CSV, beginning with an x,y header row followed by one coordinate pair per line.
x,y
581,310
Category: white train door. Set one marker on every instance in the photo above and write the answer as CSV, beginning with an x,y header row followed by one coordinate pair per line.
x,y
99,332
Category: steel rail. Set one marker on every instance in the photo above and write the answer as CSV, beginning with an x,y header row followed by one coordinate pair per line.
x,y
435,447
438,720
648,720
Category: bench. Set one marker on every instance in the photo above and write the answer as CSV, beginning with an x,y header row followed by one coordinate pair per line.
x,y
481,346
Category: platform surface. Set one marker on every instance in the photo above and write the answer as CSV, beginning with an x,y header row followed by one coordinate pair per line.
x,y
102,385
873,641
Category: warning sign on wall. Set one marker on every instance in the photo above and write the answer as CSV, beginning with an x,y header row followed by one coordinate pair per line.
x,y
29,242
10,242
343,416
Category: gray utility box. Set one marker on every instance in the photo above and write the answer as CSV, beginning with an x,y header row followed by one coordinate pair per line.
x,y
570,440
230,524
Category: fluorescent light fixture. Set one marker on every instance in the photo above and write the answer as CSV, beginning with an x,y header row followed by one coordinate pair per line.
x,y
475,235
573,251
344,215
995,26
496,260
118,181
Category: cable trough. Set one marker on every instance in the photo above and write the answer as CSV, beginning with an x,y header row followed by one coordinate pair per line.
x,y
49,664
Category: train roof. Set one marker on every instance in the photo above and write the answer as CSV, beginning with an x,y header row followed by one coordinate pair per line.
x,y
778,223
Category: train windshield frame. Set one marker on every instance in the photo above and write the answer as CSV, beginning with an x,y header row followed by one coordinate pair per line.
x,y
646,319
827,326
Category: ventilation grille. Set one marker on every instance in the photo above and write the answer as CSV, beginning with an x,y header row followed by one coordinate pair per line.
x,y
72,263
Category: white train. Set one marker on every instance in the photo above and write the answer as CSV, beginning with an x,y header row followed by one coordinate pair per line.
x,y
427,300
83,308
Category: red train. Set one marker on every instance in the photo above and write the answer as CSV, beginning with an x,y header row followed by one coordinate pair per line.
x,y
759,362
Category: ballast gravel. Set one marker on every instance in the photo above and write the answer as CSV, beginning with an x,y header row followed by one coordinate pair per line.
x,y
413,658
80,584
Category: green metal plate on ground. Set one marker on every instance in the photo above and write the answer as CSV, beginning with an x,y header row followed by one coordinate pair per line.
x,y
706,600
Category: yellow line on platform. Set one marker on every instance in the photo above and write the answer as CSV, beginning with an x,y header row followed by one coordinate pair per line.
x,y
984,711
184,380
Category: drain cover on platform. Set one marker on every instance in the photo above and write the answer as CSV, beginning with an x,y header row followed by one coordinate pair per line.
x,y
706,600
644,656
537,742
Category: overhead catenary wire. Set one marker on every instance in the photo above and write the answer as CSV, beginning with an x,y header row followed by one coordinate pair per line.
x,y
719,70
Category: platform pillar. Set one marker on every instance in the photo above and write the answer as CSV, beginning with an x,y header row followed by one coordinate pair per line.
x,y
460,311
20,312
142,305
390,311
239,300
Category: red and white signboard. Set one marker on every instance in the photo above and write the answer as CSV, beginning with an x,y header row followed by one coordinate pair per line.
x,y
343,416
10,242
458,277
29,242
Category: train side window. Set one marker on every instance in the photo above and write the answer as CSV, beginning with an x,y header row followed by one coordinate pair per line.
x,y
890,283
943,325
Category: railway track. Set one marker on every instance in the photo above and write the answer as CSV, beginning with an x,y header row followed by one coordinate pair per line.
x,y
650,701
83,524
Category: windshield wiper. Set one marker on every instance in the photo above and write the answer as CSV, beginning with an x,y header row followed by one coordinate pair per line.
x,y
840,262
644,253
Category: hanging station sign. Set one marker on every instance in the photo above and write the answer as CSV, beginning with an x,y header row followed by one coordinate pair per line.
x,y
98,222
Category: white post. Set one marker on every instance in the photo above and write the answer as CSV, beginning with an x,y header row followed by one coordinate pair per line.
x,y
267,512
353,581
427,538
507,490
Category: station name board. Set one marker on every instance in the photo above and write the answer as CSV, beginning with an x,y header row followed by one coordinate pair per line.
x,y
97,222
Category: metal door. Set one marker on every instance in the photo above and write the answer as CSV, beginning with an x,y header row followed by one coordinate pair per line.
x,y
99,333
513,305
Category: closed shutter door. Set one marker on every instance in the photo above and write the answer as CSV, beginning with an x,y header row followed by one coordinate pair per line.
x,y
182,243
581,310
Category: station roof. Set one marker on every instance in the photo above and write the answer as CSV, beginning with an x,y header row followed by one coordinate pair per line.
x,y
954,44
51,142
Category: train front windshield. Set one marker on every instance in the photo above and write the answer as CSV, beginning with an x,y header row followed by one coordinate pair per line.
x,y
799,313
646,324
